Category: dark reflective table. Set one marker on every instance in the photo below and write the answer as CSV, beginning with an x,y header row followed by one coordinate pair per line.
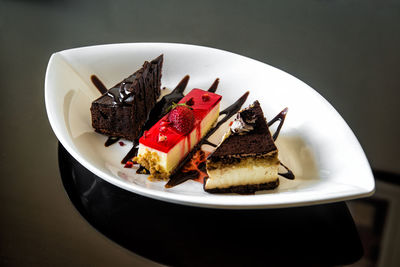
x,y
171,234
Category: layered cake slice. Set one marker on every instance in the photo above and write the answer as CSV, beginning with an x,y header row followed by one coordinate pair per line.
x,y
247,159
123,109
170,139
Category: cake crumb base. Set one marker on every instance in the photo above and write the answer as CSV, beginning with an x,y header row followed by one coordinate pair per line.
x,y
149,160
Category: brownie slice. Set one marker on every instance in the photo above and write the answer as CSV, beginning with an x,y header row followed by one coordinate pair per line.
x,y
123,110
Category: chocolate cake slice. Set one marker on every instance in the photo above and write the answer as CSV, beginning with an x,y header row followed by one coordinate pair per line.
x,y
247,159
123,110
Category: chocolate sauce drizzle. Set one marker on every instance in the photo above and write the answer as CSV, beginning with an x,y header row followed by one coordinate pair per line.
x,y
111,140
289,174
132,153
206,142
98,84
281,118
214,86
179,177
121,94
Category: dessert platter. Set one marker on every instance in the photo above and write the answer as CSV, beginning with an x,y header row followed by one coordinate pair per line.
x,y
201,126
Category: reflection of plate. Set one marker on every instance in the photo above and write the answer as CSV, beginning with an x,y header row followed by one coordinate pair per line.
x,y
315,142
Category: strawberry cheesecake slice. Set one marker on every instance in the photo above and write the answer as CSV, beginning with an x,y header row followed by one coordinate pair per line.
x,y
171,138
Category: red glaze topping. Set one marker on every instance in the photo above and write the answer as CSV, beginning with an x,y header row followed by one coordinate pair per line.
x,y
200,109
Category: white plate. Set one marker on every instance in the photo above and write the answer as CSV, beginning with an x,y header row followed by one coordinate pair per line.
x,y
315,142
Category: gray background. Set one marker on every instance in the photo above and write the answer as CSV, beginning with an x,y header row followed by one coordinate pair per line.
x,y
347,50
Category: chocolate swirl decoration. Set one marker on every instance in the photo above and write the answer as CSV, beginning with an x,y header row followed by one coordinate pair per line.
x,y
289,174
98,84
132,153
214,86
120,93
111,140
281,118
